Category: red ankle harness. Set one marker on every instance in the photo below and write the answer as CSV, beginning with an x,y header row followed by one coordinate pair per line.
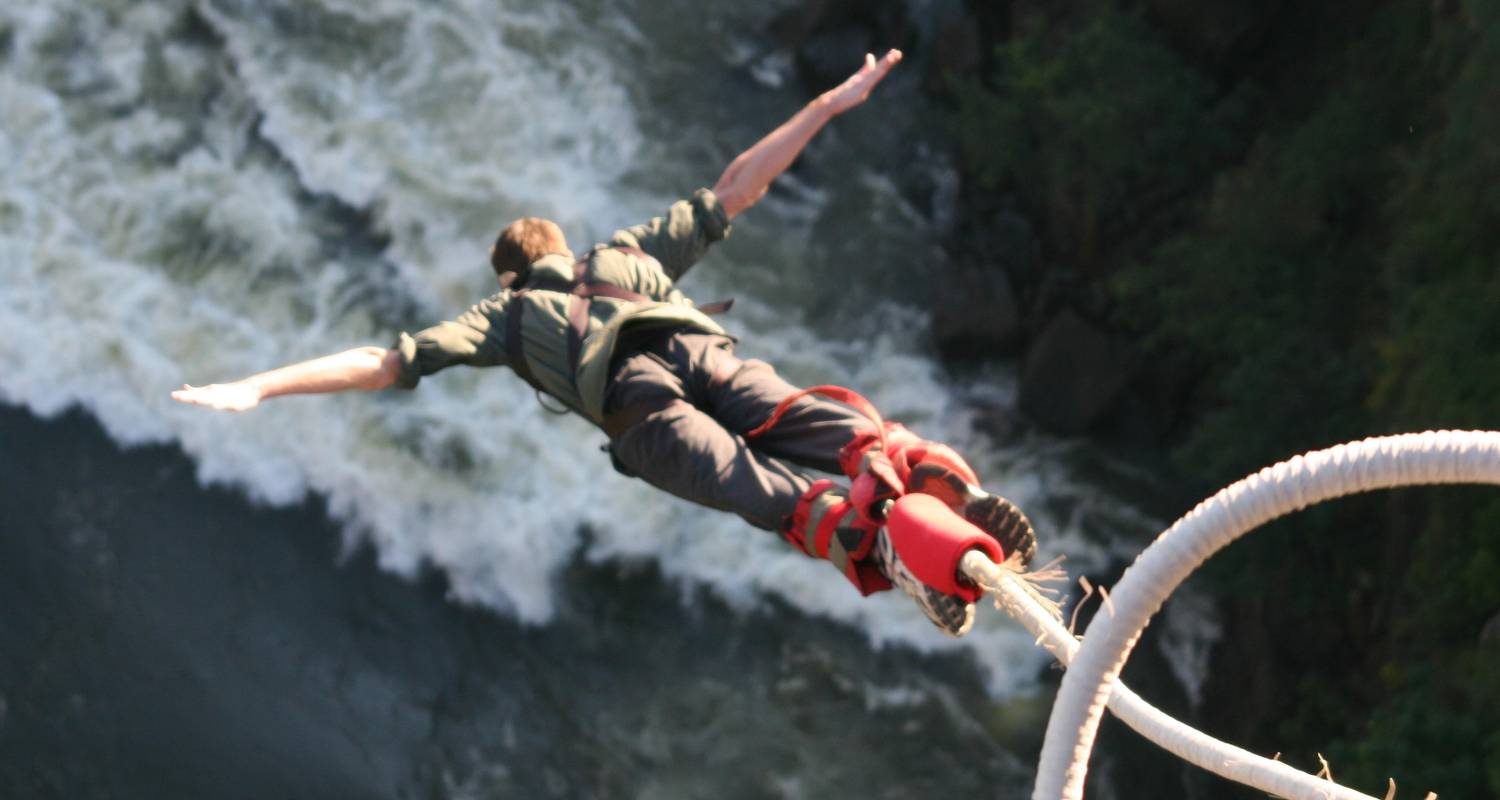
x,y
882,464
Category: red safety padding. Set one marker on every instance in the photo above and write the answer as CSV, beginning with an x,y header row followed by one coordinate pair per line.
x,y
866,577
931,539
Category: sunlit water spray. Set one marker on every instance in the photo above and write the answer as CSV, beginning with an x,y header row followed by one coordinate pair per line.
x,y
197,191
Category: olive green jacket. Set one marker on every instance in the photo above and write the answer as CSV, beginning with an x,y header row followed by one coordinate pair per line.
x,y
477,337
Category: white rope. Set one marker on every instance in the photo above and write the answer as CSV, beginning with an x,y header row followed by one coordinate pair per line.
x,y
1425,458
1191,745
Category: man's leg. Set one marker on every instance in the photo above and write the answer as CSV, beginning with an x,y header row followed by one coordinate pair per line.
x,y
812,431
742,394
833,437
818,433
683,450
882,462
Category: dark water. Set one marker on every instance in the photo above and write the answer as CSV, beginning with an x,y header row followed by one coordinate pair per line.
x,y
201,190
163,640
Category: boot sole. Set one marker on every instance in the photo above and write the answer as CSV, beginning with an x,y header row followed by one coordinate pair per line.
x,y
1001,519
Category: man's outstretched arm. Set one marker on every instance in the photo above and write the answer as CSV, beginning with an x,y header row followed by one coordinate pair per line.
x,y
746,179
366,368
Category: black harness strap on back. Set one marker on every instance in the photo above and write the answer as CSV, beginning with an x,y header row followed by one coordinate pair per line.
x,y
578,316
583,297
583,293
513,349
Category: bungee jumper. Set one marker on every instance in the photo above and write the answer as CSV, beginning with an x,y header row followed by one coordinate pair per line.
x,y
611,337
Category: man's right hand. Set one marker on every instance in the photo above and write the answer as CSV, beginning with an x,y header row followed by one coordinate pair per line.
x,y
367,368
237,396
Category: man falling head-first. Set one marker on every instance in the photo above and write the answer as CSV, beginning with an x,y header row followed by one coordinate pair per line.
x,y
611,337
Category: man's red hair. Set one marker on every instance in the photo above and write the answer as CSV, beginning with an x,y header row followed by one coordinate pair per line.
x,y
523,242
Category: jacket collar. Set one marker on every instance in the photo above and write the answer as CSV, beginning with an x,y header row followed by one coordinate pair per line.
x,y
552,267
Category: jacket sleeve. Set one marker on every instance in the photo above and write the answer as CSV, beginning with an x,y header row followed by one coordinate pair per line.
x,y
680,238
475,339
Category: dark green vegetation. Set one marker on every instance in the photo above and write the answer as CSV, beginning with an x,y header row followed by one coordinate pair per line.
x,y
1294,216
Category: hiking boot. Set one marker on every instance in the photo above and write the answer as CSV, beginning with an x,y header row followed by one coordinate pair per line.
x,y
991,513
1001,519
949,612
994,516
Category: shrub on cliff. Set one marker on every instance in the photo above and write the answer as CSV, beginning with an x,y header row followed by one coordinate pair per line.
x,y
1090,124
1338,279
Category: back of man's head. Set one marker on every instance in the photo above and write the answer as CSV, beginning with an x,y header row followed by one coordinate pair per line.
x,y
523,242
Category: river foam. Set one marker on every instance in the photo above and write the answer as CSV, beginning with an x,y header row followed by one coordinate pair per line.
x,y
197,191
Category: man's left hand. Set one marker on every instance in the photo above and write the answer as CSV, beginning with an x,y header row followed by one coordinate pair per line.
x,y
853,91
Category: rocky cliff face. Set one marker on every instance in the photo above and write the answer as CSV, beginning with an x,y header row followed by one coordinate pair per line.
x,y
1211,236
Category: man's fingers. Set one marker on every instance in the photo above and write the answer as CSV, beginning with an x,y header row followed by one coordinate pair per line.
x,y
858,86
890,59
192,395
889,62
879,69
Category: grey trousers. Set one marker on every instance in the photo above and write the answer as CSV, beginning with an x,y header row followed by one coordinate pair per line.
x,y
693,446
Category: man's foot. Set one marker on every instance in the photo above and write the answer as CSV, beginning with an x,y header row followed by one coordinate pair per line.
x,y
1001,519
994,515
991,513
951,613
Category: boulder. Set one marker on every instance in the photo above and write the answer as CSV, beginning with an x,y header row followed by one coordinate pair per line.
x,y
976,313
1216,34
1073,374
828,57
1490,633
1154,401
1004,237
830,37
1027,14
1015,243
956,50
793,26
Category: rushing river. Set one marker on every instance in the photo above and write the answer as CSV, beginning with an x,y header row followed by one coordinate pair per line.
x,y
196,191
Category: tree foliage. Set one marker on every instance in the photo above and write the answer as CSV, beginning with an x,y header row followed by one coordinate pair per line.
x,y
1336,274
1084,122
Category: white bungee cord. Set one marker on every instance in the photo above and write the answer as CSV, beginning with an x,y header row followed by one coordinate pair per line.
x,y
1092,679
1010,592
